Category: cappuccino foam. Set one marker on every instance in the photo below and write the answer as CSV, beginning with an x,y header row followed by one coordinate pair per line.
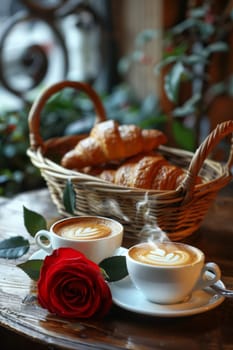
x,y
164,254
84,230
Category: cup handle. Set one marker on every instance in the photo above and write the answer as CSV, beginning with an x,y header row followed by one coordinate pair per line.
x,y
38,239
210,274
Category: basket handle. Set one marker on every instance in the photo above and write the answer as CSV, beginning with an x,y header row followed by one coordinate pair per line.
x,y
34,115
221,131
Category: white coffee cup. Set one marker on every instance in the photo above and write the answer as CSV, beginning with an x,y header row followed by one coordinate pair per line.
x,y
168,273
96,237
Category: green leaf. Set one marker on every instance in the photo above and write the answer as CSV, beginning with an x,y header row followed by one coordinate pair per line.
x,y
33,221
219,88
184,137
145,36
188,107
32,268
194,59
198,12
14,247
115,267
164,62
69,197
183,26
124,65
172,81
218,46
206,30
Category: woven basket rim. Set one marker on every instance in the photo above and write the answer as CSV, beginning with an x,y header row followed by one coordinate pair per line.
x,y
60,172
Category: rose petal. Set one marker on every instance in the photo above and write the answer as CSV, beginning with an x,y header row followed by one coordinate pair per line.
x,y
72,286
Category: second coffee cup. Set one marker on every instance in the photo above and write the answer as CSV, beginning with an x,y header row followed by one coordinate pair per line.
x,y
96,237
168,273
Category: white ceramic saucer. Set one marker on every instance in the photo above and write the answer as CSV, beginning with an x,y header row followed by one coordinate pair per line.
x,y
41,254
38,255
126,296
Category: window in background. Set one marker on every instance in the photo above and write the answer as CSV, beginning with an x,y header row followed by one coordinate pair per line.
x,y
42,42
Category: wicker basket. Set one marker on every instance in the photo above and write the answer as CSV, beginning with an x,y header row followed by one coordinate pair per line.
x,y
178,213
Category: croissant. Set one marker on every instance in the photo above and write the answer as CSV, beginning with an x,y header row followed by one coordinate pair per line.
x,y
109,141
151,171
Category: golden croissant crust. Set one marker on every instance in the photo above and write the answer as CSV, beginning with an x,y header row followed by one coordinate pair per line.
x,y
146,171
109,141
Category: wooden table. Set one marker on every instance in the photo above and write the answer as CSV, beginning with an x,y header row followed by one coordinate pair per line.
x,y
25,325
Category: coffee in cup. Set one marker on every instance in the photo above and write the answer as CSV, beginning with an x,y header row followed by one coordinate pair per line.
x,y
96,237
168,272
165,254
84,229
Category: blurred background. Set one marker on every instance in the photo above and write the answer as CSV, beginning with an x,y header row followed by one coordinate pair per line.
x,y
163,64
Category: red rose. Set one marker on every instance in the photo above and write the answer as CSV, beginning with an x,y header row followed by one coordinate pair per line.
x,y
72,286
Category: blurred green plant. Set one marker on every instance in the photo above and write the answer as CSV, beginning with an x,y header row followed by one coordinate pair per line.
x,y
15,170
187,51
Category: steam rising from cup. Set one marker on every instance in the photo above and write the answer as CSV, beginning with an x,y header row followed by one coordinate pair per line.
x,y
150,229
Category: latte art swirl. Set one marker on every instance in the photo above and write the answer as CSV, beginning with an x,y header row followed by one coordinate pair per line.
x,y
85,231
163,255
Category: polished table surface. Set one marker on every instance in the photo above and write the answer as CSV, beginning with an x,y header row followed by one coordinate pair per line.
x,y
23,324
